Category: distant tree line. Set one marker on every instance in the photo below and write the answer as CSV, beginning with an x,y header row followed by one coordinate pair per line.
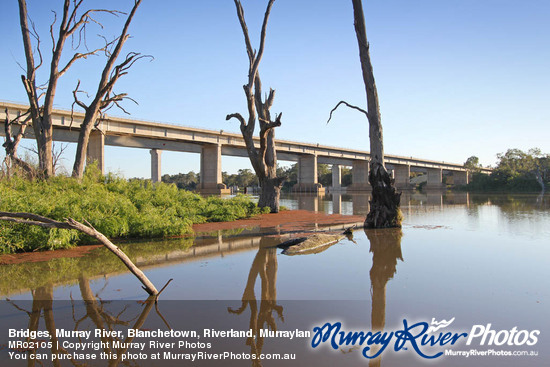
x,y
516,170
246,178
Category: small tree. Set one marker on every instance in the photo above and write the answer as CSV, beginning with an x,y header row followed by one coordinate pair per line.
x,y
264,159
384,206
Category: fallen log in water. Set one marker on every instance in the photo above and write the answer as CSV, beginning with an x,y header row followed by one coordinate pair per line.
x,y
313,244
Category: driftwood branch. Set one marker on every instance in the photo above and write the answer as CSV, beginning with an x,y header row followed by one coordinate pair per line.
x,y
350,106
38,220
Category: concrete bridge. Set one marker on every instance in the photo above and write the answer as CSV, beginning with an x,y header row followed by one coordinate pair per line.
x,y
211,145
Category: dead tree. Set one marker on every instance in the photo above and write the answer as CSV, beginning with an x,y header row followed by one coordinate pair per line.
x,y
12,143
384,205
264,159
104,98
71,24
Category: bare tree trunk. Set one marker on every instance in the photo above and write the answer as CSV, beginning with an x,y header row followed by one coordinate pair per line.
x,y
104,97
264,160
270,194
384,206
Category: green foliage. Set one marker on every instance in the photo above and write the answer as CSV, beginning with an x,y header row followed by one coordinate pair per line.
x,y
324,174
472,164
244,178
516,171
114,206
187,181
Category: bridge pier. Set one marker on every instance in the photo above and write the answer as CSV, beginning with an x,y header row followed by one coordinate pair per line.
x,y
211,170
307,175
435,178
402,175
155,165
336,178
360,176
96,150
460,178
360,203
336,203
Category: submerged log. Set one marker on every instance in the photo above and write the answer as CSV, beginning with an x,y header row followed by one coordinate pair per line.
x,y
313,244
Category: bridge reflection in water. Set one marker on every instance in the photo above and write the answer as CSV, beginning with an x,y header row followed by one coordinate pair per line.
x,y
358,203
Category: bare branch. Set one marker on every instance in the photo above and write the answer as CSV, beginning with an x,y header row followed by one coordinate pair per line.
x,y
269,99
268,125
75,57
35,35
249,50
38,220
51,30
254,68
87,17
76,100
350,106
58,155
239,117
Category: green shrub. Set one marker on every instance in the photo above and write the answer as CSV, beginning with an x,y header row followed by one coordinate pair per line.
x,y
114,206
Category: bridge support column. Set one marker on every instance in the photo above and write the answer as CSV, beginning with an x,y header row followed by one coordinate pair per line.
x,y
96,150
337,203
460,178
336,178
435,198
307,175
435,178
211,170
155,165
360,176
360,203
402,175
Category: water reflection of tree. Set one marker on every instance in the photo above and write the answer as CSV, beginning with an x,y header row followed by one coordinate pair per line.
x,y
101,318
264,266
385,245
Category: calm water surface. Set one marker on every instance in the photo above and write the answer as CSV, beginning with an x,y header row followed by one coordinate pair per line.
x,y
481,259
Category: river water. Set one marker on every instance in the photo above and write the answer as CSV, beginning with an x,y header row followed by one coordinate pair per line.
x,y
480,261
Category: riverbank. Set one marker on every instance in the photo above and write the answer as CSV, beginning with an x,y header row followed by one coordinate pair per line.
x,y
116,207
282,223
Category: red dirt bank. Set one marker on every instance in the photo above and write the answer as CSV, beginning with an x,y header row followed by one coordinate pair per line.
x,y
284,222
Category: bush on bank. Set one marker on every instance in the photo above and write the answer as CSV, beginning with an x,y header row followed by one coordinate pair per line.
x,y
116,207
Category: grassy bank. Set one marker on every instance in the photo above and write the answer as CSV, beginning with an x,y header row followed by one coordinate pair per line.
x,y
114,206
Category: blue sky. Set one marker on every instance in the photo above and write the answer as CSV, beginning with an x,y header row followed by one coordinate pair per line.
x,y
455,78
